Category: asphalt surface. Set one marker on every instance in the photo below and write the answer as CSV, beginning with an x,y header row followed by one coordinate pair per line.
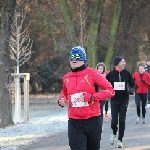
x,y
137,136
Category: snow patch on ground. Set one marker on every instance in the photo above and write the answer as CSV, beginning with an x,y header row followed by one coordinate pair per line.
x,y
22,134
45,119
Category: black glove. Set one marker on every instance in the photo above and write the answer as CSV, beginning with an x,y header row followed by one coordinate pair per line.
x,y
143,81
136,86
131,91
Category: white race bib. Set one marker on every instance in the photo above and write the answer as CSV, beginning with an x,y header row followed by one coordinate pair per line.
x,y
77,100
119,85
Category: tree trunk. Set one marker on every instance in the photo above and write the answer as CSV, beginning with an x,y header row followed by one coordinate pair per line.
x,y
130,42
93,34
5,61
113,33
69,27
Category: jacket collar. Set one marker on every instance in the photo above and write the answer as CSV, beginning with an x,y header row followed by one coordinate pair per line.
x,y
118,70
79,68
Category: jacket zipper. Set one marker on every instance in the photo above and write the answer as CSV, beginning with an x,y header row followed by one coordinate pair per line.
x,y
119,77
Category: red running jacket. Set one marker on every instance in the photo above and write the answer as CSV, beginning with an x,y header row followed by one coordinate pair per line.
x,y
84,81
140,86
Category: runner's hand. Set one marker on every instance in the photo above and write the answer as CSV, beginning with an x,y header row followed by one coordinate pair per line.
x,y
61,102
87,97
143,81
131,91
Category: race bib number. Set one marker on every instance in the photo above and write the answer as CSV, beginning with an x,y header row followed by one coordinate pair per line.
x,y
119,85
77,100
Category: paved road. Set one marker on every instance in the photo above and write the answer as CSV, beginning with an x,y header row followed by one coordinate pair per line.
x,y
137,136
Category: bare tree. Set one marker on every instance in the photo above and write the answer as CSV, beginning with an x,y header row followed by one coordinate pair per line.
x,y
20,41
82,17
20,51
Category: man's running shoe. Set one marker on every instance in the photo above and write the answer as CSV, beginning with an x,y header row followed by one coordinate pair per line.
x,y
143,120
119,144
112,139
106,117
138,120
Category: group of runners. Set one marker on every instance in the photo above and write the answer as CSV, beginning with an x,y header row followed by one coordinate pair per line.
x,y
87,90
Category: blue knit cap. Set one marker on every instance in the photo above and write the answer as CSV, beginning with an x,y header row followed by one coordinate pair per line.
x,y
77,53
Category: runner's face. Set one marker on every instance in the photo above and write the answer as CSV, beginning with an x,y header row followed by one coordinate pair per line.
x,y
76,63
100,68
148,63
122,64
141,69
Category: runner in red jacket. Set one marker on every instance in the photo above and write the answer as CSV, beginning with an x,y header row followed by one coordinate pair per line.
x,y
85,123
142,81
